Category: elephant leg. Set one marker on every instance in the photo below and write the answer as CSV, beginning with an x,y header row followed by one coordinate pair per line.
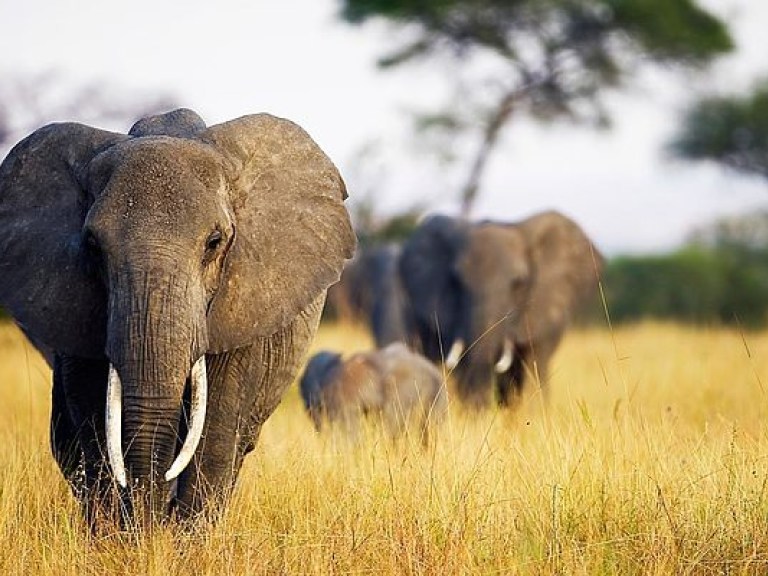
x,y
540,354
244,388
433,344
65,440
350,421
77,424
237,382
509,385
475,382
394,418
207,483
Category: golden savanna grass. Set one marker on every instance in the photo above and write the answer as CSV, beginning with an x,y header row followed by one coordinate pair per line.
x,y
652,458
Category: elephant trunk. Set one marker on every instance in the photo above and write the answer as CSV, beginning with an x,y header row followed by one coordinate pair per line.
x,y
489,350
156,351
114,411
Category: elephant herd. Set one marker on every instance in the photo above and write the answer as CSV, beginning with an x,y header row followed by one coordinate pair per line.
x,y
174,278
490,301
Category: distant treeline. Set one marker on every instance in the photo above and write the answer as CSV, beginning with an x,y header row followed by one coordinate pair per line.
x,y
697,284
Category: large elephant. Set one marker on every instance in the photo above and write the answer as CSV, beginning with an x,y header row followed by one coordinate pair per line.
x,y
393,383
492,300
369,292
175,275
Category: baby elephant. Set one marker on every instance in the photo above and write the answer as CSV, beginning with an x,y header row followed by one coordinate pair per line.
x,y
392,382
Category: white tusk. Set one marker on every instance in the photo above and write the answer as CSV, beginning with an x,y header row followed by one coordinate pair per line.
x,y
113,416
196,420
507,356
455,354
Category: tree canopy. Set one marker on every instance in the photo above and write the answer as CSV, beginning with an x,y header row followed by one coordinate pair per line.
x,y
729,130
553,58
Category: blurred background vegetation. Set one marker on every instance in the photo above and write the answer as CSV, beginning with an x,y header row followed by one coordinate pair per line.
x,y
719,277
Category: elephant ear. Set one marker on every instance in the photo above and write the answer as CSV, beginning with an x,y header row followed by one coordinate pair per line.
x,y
566,268
43,203
292,231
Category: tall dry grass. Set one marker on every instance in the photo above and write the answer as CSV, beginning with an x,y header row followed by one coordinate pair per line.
x,y
652,458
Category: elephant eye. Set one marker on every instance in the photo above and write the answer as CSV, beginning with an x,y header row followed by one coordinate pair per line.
x,y
213,241
92,245
92,259
212,245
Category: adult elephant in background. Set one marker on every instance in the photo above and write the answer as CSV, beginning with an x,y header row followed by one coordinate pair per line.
x,y
492,300
176,276
369,292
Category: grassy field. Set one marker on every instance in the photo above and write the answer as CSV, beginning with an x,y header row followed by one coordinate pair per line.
x,y
651,459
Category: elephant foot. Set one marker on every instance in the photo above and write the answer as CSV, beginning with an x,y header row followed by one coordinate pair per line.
x,y
475,400
510,401
109,509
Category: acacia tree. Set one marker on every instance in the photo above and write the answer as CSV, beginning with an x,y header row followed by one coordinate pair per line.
x,y
551,58
729,130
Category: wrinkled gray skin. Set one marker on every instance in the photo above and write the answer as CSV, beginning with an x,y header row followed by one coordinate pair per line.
x,y
148,251
488,282
393,383
369,292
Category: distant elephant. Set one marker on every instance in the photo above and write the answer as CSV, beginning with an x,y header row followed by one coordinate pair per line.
x,y
394,383
493,300
175,275
369,292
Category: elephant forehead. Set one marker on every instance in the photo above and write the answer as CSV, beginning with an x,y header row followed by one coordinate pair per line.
x,y
161,182
493,251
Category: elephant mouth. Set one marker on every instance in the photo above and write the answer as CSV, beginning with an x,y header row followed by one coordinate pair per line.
x,y
114,410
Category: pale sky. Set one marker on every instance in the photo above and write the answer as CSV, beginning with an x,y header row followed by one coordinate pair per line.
x,y
293,58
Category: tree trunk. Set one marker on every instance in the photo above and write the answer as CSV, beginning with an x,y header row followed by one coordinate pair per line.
x,y
491,132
